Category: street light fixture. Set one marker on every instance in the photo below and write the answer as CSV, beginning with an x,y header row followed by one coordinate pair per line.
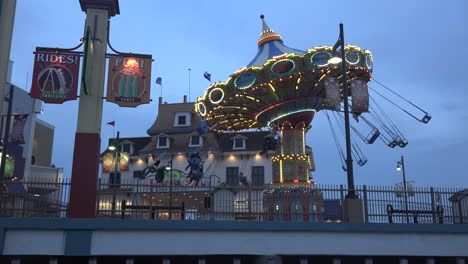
x,y
401,167
334,60
169,168
398,168
114,147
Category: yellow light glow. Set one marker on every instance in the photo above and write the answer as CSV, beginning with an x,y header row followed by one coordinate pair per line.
x,y
131,63
281,170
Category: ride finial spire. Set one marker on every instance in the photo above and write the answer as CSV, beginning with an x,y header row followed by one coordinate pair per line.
x,y
267,34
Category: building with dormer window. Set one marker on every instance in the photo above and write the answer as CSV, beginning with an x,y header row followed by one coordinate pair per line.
x,y
173,137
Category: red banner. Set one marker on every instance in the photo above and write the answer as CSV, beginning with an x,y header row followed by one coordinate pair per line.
x,y
55,76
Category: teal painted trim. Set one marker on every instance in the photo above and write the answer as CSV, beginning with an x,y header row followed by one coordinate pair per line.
x,y
78,242
127,224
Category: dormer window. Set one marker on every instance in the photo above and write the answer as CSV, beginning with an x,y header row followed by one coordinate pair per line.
x,y
126,147
238,143
195,141
163,142
182,119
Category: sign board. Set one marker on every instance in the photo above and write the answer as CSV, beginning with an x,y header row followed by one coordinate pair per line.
x,y
55,76
129,80
108,162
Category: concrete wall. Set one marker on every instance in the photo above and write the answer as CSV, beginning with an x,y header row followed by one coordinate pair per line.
x,y
135,237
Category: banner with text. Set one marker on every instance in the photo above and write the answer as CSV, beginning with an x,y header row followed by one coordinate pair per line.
x,y
129,80
55,76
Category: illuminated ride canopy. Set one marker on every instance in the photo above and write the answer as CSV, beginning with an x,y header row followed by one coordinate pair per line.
x,y
283,88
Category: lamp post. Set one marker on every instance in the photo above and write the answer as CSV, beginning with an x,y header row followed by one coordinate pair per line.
x,y
169,168
114,147
349,160
401,166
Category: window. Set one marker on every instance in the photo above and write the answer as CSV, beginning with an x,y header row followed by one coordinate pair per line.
x,y
239,143
258,175
278,211
182,119
313,211
126,148
163,142
195,141
138,174
297,214
232,176
114,180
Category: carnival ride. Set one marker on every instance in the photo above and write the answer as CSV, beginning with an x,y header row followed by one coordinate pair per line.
x,y
282,89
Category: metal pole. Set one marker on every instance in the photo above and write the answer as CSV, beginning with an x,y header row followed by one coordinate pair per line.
x,y
7,133
349,160
404,188
170,191
116,168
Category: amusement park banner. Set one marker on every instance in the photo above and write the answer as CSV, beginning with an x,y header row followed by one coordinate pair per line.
x,y
129,80
108,162
55,76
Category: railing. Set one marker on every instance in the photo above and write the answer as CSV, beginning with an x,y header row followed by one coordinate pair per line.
x,y
319,203
37,197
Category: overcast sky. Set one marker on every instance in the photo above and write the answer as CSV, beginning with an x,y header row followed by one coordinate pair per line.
x,y
417,46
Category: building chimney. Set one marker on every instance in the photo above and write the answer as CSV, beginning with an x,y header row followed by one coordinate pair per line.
x,y
185,98
160,100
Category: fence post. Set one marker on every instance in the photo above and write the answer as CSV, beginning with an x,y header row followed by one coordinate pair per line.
x,y
98,197
342,201
250,200
366,207
433,207
123,206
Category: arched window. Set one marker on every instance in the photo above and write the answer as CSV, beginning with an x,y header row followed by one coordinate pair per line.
x,y
297,212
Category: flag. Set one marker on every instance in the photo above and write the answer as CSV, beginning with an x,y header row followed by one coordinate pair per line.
x,y
111,123
207,76
159,80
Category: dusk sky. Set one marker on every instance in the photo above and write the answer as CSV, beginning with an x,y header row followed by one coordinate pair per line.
x,y
417,48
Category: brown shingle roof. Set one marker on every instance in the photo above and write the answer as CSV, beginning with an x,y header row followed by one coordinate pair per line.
x,y
179,142
138,143
166,114
254,141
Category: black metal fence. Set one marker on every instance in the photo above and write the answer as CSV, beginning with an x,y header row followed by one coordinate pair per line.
x,y
318,203
34,198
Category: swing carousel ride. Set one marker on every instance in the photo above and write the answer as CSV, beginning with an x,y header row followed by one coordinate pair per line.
x,y
283,89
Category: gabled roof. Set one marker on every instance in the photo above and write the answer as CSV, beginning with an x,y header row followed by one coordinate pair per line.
x,y
138,143
165,121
